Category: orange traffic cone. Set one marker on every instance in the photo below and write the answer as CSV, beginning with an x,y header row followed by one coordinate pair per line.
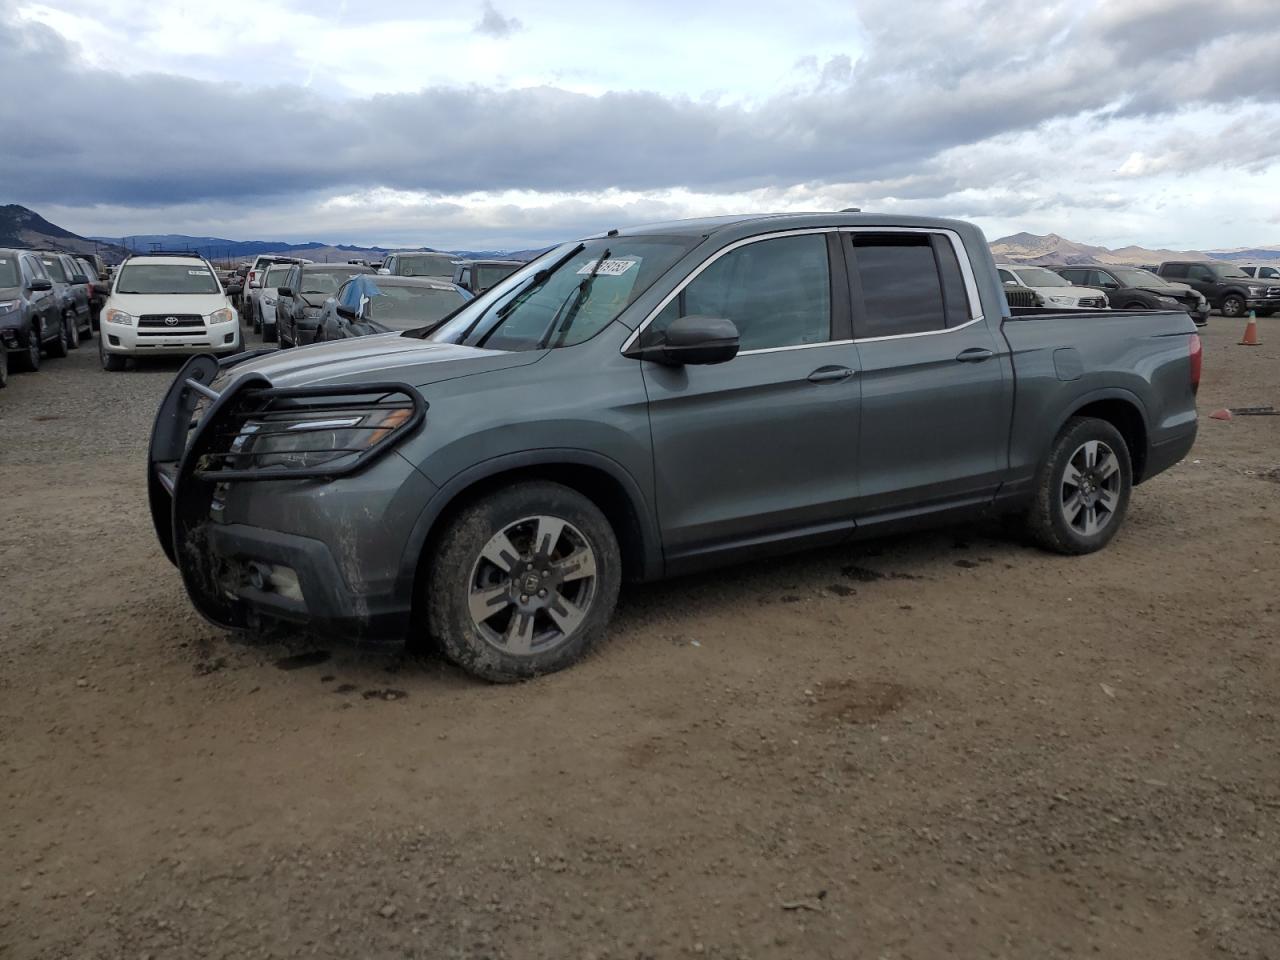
x,y
1251,332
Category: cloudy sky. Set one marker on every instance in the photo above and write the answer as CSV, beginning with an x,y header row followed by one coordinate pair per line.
x,y
515,123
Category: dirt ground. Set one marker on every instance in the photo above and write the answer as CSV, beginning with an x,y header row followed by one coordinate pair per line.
x,y
940,745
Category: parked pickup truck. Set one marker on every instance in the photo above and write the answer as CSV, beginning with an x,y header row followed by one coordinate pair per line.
x,y
649,402
1227,288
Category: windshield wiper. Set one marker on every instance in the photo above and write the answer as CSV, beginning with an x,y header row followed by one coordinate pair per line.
x,y
536,281
578,296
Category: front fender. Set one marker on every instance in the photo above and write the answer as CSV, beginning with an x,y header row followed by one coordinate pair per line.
x,y
651,541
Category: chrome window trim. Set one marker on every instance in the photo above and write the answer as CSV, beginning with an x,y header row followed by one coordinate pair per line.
x,y
922,333
795,346
663,303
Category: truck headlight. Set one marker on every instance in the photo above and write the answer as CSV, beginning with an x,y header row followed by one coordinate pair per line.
x,y
7,305
225,315
1066,301
299,441
1256,291
118,317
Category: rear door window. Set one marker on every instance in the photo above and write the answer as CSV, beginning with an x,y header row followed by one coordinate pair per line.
x,y
908,284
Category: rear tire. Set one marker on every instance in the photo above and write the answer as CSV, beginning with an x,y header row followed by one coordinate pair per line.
x,y
523,582
4,366
73,331
1082,488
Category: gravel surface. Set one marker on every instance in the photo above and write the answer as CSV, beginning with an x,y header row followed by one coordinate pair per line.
x,y
945,744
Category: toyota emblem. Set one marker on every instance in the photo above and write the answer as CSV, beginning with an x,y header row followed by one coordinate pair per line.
x,y
170,321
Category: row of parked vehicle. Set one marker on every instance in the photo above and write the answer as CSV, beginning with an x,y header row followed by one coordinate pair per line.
x,y
49,302
294,302
1194,286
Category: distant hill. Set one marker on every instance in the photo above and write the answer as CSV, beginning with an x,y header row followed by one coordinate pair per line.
x,y
1052,249
20,227
1249,254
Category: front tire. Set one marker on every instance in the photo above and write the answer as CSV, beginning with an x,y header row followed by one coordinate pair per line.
x,y
1232,305
73,332
29,359
111,362
1082,489
523,582
60,347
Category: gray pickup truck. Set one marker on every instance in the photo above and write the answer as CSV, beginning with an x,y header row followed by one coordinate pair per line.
x,y
649,402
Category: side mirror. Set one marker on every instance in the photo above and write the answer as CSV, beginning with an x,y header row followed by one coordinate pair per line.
x,y
693,340
38,285
234,290
284,292
101,288
383,271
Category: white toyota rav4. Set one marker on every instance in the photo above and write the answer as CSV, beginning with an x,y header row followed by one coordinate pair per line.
x,y
167,304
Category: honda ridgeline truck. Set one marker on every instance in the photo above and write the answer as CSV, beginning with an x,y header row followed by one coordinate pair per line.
x,y
649,402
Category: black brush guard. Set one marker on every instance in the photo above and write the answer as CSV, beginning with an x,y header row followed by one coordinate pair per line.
x,y
191,454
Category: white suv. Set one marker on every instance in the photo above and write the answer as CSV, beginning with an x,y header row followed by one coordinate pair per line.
x,y
166,304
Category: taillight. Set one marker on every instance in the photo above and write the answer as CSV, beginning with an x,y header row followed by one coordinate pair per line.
x,y
1197,361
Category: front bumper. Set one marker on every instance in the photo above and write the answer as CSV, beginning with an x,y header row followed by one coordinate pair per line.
x,y
1262,303
327,555
134,341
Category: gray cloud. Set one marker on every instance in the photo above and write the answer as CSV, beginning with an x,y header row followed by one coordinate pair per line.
x,y
494,24
884,119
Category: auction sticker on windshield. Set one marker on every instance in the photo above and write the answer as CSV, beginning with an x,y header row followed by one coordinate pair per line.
x,y
610,268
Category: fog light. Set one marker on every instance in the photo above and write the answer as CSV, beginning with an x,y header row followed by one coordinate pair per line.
x,y
114,341
229,338
274,578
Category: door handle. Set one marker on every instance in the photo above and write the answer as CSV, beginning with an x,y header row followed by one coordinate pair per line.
x,y
830,374
974,355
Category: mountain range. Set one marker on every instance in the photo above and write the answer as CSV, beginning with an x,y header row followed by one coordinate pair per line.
x,y
20,226
220,249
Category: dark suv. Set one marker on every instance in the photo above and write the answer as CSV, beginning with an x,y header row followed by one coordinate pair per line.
x,y
1227,288
300,301
1129,288
30,313
71,287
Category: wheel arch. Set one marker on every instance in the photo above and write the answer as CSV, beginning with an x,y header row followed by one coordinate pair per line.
x,y
1124,411
602,480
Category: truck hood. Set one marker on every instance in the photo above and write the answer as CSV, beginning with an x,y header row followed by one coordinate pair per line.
x,y
138,304
386,357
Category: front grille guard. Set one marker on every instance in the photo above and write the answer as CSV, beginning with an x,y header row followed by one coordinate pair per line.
x,y
196,425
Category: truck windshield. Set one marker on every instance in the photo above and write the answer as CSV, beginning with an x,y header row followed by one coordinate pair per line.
x,y
54,266
192,278
588,285
1226,270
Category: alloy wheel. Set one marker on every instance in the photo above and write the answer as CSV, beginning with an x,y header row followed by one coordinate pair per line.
x,y
1090,493
532,585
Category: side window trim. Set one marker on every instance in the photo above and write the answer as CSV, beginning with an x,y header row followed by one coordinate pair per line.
x,y
966,272
678,292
